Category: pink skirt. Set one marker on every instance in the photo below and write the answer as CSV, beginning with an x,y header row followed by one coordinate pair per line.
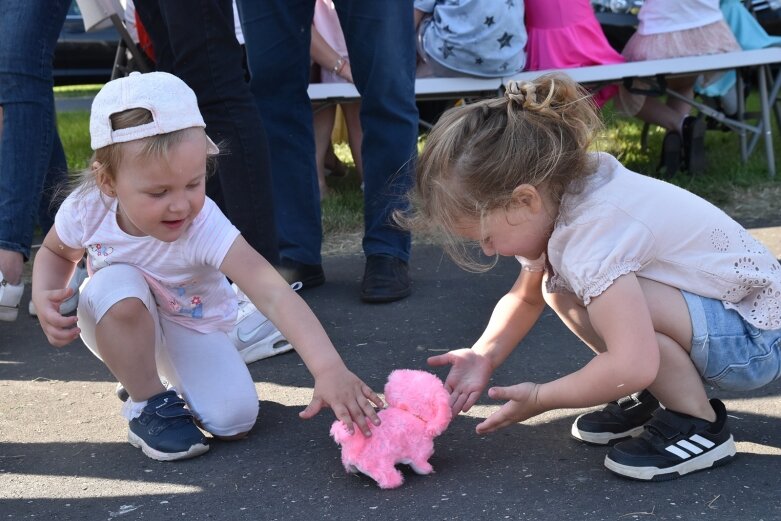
x,y
713,38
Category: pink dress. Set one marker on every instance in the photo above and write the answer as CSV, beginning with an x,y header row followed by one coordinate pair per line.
x,y
326,21
565,34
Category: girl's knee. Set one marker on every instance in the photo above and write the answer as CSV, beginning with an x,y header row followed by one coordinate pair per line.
x,y
127,310
231,420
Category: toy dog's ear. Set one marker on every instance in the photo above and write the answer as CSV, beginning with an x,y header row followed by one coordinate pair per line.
x,y
442,414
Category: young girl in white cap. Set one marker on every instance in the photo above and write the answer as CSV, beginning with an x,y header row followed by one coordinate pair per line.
x,y
157,303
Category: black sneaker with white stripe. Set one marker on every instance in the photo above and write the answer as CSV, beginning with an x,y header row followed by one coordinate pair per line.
x,y
616,421
674,444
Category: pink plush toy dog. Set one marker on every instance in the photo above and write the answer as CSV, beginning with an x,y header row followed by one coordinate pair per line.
x,y
417,411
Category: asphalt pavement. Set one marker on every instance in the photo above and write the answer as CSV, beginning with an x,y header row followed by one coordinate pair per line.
x,y
64,454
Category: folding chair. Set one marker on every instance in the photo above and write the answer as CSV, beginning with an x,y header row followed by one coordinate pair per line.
x,y
99,14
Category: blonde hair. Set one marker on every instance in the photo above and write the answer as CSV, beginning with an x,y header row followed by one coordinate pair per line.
x,y
110,157
476,155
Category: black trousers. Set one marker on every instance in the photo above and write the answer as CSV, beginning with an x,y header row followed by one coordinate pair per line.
x,y
195,40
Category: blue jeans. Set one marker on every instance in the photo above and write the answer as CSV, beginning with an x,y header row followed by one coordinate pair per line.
x,y
380,40
32,161
196,41
728,352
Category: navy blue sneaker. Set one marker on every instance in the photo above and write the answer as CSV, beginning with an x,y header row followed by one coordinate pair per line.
x,y
674,444
617,421
166,430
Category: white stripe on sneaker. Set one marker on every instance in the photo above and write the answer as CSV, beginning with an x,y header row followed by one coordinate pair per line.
x,y
690,447
702,441
680,448
678,452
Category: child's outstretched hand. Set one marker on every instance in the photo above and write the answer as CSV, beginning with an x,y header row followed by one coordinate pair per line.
x,y
59,330
467,378
351,400
522,406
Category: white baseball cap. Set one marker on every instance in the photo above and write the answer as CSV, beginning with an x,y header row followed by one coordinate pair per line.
x,y
172,103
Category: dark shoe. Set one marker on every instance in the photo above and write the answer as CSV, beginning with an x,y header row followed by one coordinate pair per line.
x,y
309,275
693,129
386,279
670,162
617,421
166,430
674,444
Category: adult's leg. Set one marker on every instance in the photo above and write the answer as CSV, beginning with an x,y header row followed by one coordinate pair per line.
x,y
381,44
678,384
29,31
278,37
196,41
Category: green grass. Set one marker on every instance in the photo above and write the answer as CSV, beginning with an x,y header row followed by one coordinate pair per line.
x,y
76,91
726,177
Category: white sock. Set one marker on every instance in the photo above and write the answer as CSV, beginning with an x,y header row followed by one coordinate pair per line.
x,y
132,410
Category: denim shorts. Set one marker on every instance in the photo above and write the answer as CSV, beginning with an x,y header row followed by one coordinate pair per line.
x,y
730,353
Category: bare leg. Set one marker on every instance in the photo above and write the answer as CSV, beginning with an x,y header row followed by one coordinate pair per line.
x,y
354,133
678,384
323,125
125,339
12,266
670,113
685,87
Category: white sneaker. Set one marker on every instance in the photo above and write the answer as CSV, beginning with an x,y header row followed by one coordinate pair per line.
x,y
71,303
254,335
10,296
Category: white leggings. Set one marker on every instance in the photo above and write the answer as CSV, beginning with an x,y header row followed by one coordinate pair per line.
x,y
204,368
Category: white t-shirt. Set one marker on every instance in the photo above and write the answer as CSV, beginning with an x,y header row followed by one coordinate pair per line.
x,y
624,222
664,16
183,275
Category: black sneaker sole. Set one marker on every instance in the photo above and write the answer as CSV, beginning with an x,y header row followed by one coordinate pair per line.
x,y
720,455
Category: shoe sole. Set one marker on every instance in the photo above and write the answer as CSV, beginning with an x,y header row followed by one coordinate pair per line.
x,y
193,451
8,314
382,299
268,347
604,438
716,457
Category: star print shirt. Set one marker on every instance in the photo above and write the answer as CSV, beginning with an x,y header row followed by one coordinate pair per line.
x,y
624,222
475,37
183,275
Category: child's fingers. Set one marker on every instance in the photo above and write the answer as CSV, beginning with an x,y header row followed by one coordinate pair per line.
x,y
343,414
494,422
470,401
312,409
372,396
459,403
439,360
56,296
499,393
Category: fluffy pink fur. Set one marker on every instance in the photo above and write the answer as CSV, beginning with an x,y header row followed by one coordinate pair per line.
x,y
417,411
